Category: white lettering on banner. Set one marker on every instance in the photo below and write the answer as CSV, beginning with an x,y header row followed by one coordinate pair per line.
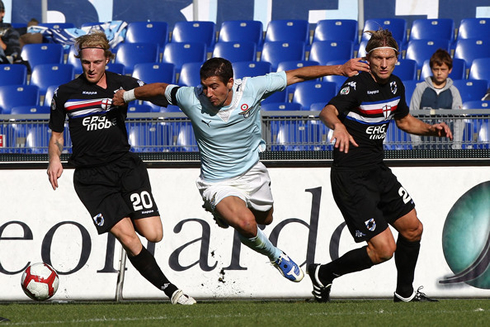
x,y
209,260
417,7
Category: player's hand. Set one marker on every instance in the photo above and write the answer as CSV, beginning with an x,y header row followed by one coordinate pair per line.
x,y
354,66
442,130
118,99
55,169
342,138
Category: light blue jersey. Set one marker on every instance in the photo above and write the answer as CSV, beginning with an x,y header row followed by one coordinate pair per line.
x,y
229,139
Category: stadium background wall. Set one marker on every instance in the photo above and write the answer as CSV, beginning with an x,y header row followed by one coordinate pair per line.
x,y
83,11
39,224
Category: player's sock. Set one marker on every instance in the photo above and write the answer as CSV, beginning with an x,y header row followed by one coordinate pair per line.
x,y
406,256
147,266
261,244
355,260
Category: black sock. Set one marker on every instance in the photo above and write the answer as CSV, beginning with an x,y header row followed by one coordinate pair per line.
x,y
352,261
147,266
406,255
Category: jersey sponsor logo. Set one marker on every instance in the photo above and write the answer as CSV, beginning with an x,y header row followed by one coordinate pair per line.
x,y
95,123
359,234
373,92
89,92
377,132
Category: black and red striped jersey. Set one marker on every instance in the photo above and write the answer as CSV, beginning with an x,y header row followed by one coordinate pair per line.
x,y
366,109
97,128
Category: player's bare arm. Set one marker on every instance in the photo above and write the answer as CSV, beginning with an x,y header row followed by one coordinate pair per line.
x,y
412,125
350,68
145,92
55,168
341,137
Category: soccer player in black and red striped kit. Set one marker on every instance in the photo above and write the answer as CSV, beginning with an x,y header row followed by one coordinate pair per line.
x,y
111,181
366,191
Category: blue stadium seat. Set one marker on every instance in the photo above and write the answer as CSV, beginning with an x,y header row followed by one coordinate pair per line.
x,y
147,32
242,31
470,49
310,92
180,53
116,68
480,69
251,69
49,95
195,31
130,54
336,30
274,52
29,110
155,72
189,74
42,53
135,108
396,139
476,104
300,135
430,29
280,106
278,96
294,64
288,30
458,72
474,28
236,51
471,89
147,136
18,95
421,50
46,75
409,88
325,51
72,60
397,26
186,140
11,74
406,69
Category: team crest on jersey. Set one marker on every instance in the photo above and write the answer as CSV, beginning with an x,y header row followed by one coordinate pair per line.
x,y
106,104
245,110
345,90
99,220
393,87
370,224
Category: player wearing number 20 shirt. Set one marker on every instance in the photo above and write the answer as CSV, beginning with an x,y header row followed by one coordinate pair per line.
x,y
100,144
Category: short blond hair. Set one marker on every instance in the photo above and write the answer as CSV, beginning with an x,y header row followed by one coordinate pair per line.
x,y
96,39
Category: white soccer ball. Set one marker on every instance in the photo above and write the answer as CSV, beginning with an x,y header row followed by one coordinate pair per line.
x,y
40,281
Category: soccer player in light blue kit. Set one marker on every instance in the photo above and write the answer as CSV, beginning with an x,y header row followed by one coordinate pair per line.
x,y
225,115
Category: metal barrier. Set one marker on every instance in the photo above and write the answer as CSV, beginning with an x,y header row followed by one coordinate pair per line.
x,y
283,131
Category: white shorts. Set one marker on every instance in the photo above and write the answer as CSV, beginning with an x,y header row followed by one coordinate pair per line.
x,y
253,188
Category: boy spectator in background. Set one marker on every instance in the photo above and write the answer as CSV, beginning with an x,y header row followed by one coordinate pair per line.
x,y
438,92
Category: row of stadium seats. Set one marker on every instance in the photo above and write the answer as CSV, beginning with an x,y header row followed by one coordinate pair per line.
x,y
298,30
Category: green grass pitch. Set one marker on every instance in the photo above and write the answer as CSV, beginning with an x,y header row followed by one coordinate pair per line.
x,y
448,312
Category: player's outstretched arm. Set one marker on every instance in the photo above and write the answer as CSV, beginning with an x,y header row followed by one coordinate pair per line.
x,y
55,168
350,68
145,92
341,137
412,125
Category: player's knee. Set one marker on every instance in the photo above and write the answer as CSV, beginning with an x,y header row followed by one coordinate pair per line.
x,y
413,234
155,237
247,227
